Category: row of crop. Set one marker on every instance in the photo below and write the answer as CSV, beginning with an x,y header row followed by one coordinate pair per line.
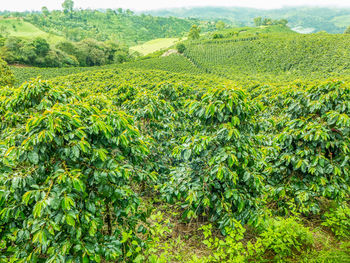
x,y
77,152
173,63
298,54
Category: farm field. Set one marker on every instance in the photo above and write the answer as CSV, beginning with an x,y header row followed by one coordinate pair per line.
x,y
154,45
232,147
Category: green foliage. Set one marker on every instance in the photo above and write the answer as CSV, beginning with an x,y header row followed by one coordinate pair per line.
x,y
6,75
194,32
338,220
181,48
123,25
282,238
77,153
218,166
38,52
66,171
173,63
67,6
278,240
27,73
311,157
220,25
41,46
272,53
229,249
259,21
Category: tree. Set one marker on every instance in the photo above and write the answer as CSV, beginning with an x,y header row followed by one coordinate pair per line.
x,y
194,32
283,22
220,25
45,11
258,21
68,6
181,48
267,21
41,46
347,31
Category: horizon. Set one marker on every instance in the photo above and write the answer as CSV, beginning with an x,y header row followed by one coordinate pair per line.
x,y
155,5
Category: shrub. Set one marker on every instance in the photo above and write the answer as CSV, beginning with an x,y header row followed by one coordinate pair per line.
x,y
181,48
311,158
66,168
6,75
338,220
217,172
278,239
282,238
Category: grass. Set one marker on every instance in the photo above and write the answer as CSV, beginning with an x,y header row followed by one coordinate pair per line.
x,y
20,28
154,45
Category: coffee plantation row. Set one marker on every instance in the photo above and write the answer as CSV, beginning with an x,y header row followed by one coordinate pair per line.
x,y
298,55
87,161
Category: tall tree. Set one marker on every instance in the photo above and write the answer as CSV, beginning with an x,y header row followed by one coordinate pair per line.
x,y
194,32
258,21
67,6
45,11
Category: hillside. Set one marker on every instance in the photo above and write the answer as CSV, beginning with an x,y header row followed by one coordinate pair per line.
x,y
298,55
20,28
313,19
123,26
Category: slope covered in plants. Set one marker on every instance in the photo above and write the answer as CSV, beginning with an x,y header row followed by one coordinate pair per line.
x,y
298,55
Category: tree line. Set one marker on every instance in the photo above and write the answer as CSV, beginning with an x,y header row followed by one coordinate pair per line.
x,y
38,52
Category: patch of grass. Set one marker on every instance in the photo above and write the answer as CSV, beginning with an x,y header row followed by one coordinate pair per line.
x,y
154,45
21,28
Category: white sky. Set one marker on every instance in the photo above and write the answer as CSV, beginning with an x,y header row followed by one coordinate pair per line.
x,y
138,5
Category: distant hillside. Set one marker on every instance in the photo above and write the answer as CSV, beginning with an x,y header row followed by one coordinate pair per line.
x,y
124,26
303,19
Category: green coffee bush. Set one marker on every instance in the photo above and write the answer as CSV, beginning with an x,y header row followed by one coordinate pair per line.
x,y
338,220
6,75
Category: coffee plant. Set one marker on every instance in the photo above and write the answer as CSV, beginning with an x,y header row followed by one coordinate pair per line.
x,y
311,158
67,168
83,155
6,75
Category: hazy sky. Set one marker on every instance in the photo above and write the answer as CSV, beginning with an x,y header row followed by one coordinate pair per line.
x,y
20,5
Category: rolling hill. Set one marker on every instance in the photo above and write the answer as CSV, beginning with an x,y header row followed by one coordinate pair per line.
x,y
332,20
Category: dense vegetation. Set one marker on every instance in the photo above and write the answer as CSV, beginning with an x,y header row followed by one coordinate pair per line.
x,y
38,52
204,144
232,147
273,53
6,75
123,25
